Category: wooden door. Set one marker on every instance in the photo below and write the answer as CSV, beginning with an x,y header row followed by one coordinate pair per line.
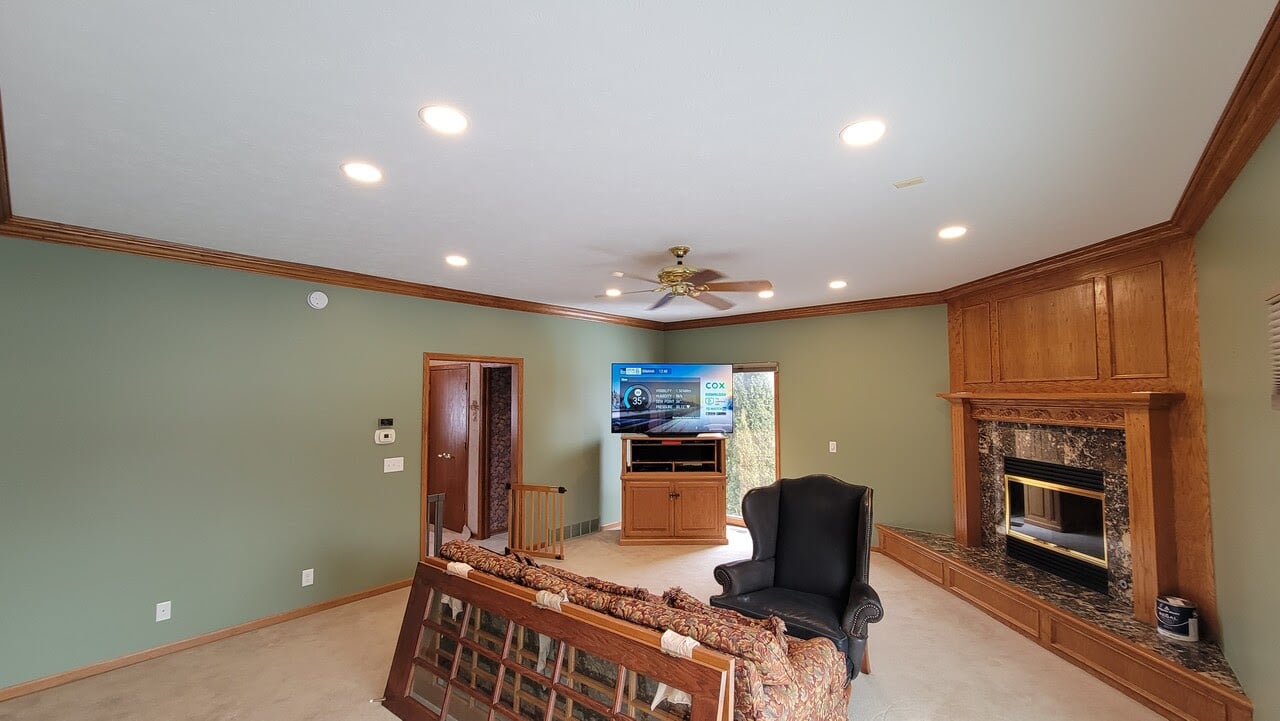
x,y
646,508
447,432
699,508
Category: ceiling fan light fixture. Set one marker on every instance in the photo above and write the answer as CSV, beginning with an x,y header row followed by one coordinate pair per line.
x,y
362,172
456,261
613,292
952,232
838,284
863,132
766,294
444,119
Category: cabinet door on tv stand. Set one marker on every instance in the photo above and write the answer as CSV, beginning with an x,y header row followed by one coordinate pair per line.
x,y
700,509
646,508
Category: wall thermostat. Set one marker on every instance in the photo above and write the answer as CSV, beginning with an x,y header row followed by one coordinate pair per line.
x,y
383,436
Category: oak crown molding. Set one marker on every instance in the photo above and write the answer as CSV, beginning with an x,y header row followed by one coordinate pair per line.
x,y
1250,114
51,232
1246,121
811,311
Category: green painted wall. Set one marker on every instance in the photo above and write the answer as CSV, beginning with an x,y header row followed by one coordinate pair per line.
x,y
175,432
1238,257
865,380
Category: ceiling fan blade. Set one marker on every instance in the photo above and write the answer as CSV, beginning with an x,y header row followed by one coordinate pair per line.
x,y
714,301
754,286
662,301
706,275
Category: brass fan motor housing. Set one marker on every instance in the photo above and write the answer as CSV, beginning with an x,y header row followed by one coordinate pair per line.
x,y
672,277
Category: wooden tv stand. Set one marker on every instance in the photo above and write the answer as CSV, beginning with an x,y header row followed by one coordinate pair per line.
x,y
673,490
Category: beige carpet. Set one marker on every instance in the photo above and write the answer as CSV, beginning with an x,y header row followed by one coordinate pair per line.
x,y
935,657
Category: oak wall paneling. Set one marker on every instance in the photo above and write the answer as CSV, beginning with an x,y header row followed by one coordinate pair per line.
x,y
1067,352
1142,317
976,326
1138,333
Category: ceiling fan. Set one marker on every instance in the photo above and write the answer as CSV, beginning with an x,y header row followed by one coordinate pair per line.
x,y
686,280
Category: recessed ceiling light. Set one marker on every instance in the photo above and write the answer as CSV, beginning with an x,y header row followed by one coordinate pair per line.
x,y
951,232
443,119
613,292
455,260
863,132
618,274
837,284
765,294
362,172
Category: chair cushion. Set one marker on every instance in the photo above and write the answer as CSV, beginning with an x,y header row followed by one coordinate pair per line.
x,y
807,615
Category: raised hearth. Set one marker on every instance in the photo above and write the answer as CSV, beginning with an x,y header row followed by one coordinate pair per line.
x,y
1094,631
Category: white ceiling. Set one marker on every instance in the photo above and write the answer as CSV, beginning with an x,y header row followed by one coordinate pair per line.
x,y
603,132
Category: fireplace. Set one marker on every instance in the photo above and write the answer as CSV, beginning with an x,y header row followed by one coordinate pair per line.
x,y
1055,519
1126,435
1068,460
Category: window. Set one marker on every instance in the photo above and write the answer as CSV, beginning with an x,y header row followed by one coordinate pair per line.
x,y
752,449
1273,332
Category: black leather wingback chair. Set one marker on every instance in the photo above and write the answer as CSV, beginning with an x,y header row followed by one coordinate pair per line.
x,y
812,544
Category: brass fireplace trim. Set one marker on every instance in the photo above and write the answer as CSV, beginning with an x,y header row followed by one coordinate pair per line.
x,y
1104,562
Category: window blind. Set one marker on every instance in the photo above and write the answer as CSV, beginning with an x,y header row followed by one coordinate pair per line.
x,y
1273,332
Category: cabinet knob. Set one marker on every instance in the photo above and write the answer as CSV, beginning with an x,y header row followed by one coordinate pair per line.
x,y
444,455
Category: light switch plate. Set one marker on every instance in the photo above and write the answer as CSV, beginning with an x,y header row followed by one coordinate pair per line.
x,y
383,436
831,446
392,465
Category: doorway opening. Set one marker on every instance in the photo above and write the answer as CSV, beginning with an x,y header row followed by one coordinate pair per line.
x,y
472,427
752,449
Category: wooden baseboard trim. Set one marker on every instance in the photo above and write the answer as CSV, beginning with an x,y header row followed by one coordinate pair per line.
x,y
76,674
615,526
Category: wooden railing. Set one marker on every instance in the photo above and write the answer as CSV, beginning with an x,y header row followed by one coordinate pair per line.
x,y
477,648
537,520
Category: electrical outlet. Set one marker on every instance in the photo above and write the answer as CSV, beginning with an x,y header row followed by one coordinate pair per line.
x,y
164,610
392,465
831,446
308,576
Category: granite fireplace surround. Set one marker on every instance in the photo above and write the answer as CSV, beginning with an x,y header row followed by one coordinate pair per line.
x,y
1101,449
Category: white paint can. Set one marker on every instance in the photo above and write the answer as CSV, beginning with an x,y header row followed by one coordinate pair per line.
x,y
1177,618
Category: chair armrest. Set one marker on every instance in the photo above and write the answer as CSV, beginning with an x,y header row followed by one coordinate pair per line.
x,y
863,608
744,576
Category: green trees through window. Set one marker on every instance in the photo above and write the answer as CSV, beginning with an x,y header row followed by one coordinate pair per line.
x,y
751,450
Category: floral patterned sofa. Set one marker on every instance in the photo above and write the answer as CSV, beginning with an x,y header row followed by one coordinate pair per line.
x,y
776,677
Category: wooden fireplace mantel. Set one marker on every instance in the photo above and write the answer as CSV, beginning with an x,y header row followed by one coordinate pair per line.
x,y
1144,418
1091,410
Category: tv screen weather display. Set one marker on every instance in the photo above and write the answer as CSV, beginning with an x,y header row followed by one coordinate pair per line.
x,y
672,398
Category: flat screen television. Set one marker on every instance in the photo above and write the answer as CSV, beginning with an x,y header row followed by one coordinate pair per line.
x,y
672,398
